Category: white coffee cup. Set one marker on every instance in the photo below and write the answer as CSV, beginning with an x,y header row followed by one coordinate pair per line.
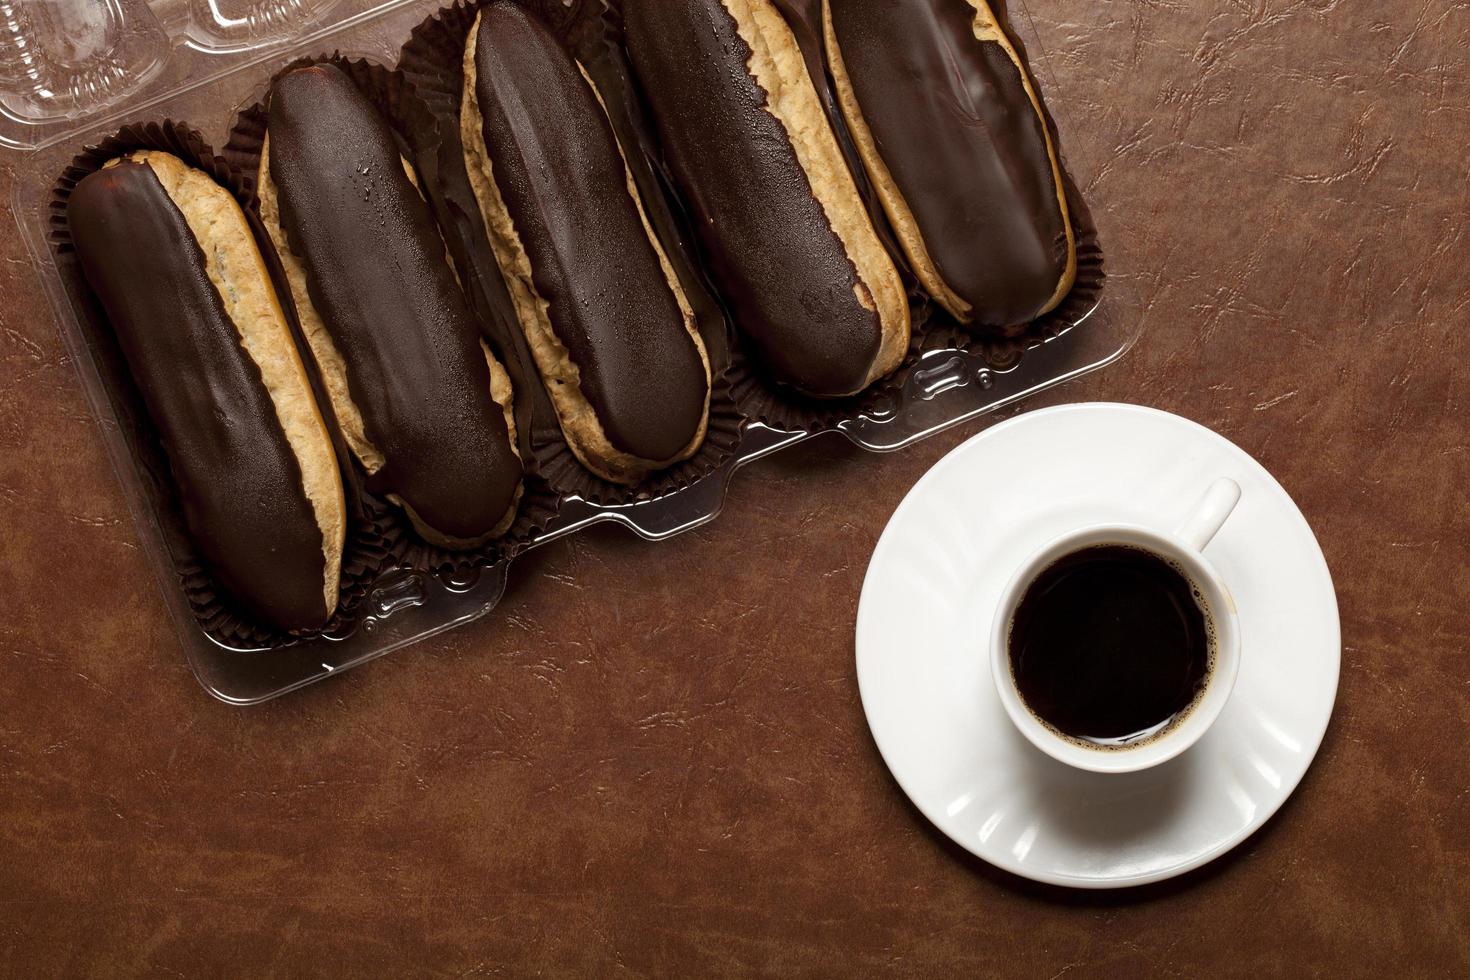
x,y
1183,547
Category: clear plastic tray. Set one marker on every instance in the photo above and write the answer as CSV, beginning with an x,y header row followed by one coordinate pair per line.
x,y
73,71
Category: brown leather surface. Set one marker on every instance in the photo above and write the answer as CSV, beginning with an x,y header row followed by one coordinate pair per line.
x,y
654,760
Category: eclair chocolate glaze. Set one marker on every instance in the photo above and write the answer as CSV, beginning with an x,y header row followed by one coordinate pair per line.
x,y
378,275
952,119
771,249
564,183
239,485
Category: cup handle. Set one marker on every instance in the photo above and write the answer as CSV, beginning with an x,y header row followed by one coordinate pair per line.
x,y
1210,513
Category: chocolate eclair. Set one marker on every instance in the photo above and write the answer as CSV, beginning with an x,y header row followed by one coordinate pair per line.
x,y
951,132
607,322
171,257
787,237
423,404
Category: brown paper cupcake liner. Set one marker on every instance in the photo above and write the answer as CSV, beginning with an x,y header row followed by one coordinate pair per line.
x,y
780,407
366,549
726,427
433,59
539,504
412,127
1003,352
369,552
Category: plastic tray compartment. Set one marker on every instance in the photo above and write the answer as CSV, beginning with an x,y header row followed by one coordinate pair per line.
x,y
73,71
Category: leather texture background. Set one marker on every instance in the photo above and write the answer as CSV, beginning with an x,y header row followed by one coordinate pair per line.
x,y
653,759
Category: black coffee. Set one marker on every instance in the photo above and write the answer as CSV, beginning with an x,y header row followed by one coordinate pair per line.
x,y
1110,645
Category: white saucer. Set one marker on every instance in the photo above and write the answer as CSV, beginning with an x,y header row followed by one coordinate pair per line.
x,y
925,616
